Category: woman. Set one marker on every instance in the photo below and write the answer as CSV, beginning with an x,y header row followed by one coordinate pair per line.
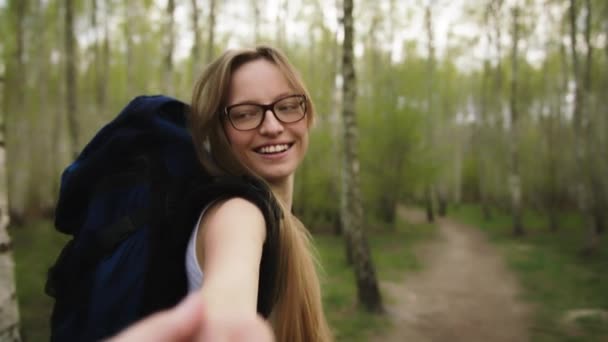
x,y
251,115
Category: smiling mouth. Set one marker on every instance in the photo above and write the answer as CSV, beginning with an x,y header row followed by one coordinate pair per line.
x,y
273,149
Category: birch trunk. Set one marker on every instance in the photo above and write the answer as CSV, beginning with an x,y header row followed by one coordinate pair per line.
x,y
478,143
42,198
9,310
101,57
352,215
129,17
336,130
430,188
551,152
211,31
580,132
195,52
168,76
281,24
71,94
514,174
13,98
257,19
105,60
486,106
15,127
597,199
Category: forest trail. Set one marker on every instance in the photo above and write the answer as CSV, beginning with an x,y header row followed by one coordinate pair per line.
x,y
463,293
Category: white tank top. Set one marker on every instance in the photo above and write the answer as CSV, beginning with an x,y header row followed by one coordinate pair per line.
x,y
194,272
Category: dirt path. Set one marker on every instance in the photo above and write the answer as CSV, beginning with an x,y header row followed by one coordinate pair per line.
x,y
463,293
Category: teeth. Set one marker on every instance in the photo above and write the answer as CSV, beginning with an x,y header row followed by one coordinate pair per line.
x,y
273,148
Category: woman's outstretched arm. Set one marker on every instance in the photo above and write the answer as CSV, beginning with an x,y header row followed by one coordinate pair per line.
x,y
229,250
187,322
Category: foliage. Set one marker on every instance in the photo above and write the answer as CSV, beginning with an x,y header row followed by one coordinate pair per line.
x,y
462,145
315,199
37,245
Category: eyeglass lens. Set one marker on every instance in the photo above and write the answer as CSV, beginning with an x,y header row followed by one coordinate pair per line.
x,y
250,116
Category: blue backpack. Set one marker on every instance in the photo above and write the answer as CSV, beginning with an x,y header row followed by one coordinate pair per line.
x,y
131,200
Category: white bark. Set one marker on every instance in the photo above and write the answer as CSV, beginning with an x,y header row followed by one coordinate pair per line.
x,y
168,71
211,31
9,311
352,210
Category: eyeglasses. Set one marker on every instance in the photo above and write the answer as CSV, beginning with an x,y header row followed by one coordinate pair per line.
x,y
248,116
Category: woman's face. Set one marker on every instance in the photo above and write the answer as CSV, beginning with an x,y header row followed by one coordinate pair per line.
x,y
274,149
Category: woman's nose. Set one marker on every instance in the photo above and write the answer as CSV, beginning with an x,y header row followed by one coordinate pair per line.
x,y
271,125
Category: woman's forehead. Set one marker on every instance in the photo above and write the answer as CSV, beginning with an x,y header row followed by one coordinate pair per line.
x,y
258,80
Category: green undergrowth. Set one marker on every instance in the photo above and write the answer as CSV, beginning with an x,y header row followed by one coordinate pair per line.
x,y
393,256
557,279
37,245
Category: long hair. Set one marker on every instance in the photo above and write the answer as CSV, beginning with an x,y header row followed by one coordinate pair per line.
x,y
298,313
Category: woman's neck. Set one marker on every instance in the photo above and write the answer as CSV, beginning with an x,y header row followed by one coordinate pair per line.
x,y
283,190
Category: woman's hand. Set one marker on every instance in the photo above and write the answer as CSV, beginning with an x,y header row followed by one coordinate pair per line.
x,y
188,321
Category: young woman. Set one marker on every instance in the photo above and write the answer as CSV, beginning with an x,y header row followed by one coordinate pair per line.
x,y
251,115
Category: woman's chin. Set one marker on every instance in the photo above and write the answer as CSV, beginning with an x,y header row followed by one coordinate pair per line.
x,y
275,176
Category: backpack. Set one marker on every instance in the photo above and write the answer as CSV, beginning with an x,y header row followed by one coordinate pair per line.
x,y
130,202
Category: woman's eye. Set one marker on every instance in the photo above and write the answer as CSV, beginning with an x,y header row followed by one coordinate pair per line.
x,y
288,106
243,114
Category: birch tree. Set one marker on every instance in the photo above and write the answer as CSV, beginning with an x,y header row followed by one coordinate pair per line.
x,y
101,47
256,7
168,72
352,210
582,80
71,93
195,52
129,17
9,312
514,173
490,19
429,191
281,24
211,30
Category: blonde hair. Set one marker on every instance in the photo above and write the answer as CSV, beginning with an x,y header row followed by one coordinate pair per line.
x,y
298,313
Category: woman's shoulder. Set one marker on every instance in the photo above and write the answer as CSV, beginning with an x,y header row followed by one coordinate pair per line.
x,y
230,192
233,215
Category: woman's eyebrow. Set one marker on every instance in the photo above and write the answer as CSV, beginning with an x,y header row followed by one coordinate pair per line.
x,y
277,97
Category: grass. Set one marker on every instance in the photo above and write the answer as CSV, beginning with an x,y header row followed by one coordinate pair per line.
x,y
392,254
37,245
555,276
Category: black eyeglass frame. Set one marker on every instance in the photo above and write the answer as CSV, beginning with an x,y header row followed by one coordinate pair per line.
x,y
266,107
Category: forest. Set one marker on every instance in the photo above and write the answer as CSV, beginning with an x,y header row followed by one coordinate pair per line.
x,y
496,104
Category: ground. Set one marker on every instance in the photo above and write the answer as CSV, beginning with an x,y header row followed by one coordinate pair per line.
x,y
464,292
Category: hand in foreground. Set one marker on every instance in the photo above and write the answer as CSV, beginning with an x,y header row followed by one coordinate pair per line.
x,y
188,322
